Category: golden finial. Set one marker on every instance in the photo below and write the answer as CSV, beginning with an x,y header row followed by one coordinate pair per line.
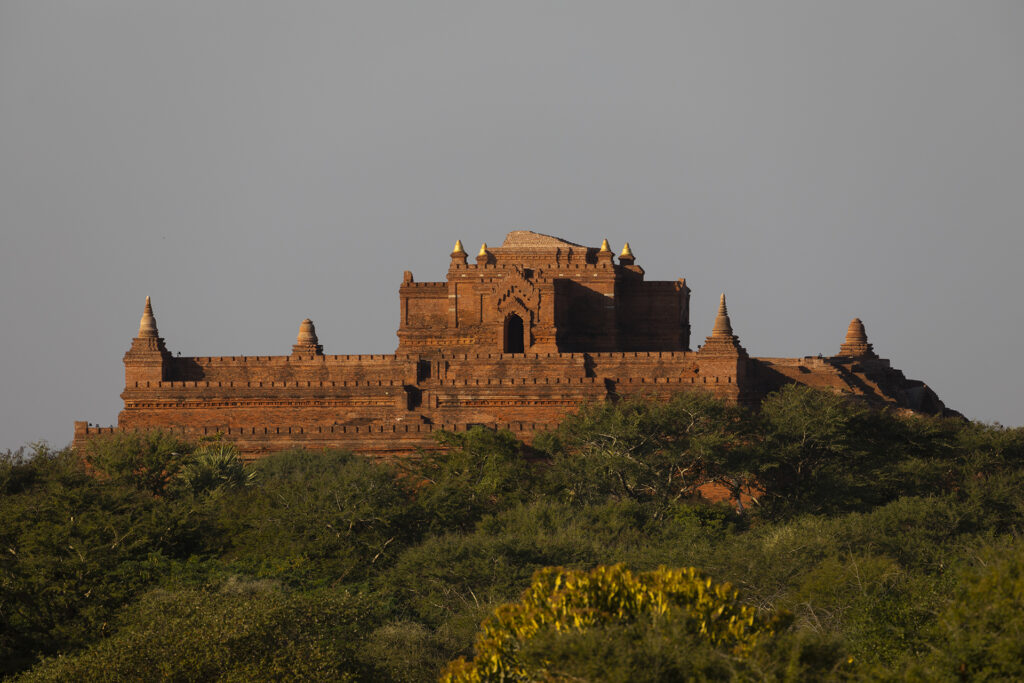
x,y
147,325
458,248
626,251
483,250
605,247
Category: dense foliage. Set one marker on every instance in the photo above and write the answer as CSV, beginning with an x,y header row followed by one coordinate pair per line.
x,y
861,544
677,611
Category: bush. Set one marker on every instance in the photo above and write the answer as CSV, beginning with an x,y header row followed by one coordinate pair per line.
x,y
647,450
314,518
211,468
479,471
611,624
245,633
405,650
146,460
73,550
979,636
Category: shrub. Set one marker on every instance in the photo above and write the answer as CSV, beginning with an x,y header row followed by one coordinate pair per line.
x,y
979,636
647,450
480,471
649,612
262,634
146,460
212,467
314,518
73,550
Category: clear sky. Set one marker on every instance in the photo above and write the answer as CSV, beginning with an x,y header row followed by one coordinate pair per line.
x,y
249,164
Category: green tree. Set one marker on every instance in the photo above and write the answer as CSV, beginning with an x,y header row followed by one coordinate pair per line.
x,y
73,549
979,636
212,467
147,460
670,624
479,471
246,631
316,517
648,450
816,451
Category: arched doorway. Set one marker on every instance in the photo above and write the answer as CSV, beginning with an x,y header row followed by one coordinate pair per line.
x,y
514,334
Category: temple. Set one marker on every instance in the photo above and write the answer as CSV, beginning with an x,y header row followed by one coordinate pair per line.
x,y
514,339
541,294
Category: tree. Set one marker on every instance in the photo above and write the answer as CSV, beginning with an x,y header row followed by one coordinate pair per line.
x,y
214,466
979,636
480,471
656,612
146,460
75,548
816,451
649,450
314,517
246,631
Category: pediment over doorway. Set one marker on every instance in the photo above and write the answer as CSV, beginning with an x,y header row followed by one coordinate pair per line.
x,y
516,286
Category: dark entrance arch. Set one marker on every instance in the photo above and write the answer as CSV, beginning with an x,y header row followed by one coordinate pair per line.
x,y
514,334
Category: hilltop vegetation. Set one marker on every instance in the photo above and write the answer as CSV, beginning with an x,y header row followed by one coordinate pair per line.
x,y
858,544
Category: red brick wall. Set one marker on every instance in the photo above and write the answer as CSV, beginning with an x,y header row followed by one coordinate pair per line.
x,y
270,402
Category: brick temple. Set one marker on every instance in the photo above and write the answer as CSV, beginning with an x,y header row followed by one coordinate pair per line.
x,y
513,339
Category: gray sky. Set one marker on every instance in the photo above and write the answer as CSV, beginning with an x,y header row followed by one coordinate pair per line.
x,y
249,164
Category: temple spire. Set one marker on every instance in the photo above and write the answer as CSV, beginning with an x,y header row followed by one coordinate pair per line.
x,y
626,251
307,333
147,325
147,359
483,250
856,343
723,326
722,342
306,343
605,247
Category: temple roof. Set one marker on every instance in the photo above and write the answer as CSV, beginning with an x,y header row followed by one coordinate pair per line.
x,y
529,238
